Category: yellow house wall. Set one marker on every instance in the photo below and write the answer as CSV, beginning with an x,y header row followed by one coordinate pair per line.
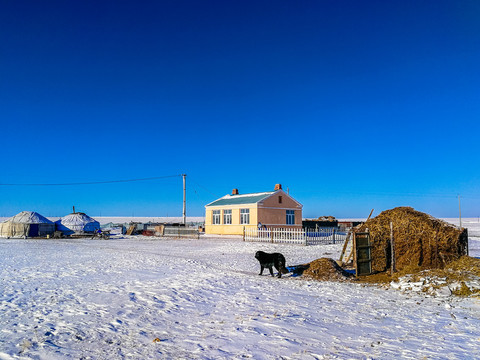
x,y
235,228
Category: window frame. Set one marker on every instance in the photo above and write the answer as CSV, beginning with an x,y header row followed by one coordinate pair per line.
x,y
227,217
216,215
244,216
290,217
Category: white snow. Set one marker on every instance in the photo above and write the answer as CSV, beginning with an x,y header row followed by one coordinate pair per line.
x,y
147,298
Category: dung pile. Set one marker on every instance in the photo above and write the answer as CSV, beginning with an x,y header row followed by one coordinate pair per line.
x,y
465,266
420,240
325,269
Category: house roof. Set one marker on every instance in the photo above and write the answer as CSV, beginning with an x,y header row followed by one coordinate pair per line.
x,y
252,198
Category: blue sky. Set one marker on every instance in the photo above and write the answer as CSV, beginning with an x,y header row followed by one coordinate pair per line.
x,y
352,105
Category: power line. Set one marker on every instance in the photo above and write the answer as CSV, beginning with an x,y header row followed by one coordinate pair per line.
x,y
92,182
203,188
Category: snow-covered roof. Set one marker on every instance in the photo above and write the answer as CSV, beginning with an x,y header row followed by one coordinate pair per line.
x,y
76,219
29,217
77,223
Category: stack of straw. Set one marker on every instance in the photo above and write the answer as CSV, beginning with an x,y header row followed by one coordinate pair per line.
x,y
420,240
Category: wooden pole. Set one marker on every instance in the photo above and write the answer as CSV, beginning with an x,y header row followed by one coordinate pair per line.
x,y
459,211
371,212
354,252
345,245
392,248
184,200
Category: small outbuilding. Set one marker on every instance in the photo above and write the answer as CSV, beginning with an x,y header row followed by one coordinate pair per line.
x,y
26,224
77,223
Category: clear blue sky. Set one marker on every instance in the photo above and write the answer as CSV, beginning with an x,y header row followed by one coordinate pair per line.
x,y
352,105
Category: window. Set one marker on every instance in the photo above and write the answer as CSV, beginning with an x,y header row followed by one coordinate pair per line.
x,y
216,217
280,199
227,216
290,217
244,216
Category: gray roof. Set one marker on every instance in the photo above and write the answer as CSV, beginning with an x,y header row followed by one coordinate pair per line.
x,y
29,217
241,199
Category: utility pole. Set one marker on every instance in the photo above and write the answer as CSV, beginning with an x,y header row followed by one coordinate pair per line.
x,y
459,211
184,200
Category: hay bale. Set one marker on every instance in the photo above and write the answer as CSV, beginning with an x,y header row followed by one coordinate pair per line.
x,y
420,240
325,269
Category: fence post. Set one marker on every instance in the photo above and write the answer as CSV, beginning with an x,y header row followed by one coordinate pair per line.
x,y
333,236
244,233
392,248
304,232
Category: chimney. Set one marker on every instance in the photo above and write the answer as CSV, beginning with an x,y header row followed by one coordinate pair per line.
x,y
278,187
235,192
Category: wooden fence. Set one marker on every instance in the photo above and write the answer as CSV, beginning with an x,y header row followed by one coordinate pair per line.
x,y
320,236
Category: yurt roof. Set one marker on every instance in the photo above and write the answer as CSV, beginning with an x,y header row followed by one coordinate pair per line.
x,y
29,217
77,218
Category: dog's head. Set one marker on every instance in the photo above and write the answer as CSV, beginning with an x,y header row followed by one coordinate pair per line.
x,y
259,254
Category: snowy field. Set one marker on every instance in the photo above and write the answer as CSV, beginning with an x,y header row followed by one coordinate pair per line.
x,y
147,298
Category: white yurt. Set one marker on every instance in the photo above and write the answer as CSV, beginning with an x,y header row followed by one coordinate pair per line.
x,y
77,223
26,224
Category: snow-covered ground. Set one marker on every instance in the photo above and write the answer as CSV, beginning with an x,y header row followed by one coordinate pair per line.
x,y
147,298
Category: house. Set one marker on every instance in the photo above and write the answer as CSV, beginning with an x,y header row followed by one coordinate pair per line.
x,y
232,213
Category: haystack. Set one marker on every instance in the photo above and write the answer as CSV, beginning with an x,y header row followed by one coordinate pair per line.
x,y
420,240
325,269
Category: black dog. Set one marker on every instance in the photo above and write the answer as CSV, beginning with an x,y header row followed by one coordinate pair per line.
x,y
269,260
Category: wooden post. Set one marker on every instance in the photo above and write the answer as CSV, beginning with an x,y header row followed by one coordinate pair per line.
x,y
184,200
244,233
371,212
459,212
354,252
342,254
333,236
392,248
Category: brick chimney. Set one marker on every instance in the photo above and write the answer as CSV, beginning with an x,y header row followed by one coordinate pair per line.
x,y
278,187
235,192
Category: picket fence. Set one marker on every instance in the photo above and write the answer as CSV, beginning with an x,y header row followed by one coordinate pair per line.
x,y
319,236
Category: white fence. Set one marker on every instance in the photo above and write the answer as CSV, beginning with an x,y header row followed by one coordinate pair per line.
x,y
321,236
